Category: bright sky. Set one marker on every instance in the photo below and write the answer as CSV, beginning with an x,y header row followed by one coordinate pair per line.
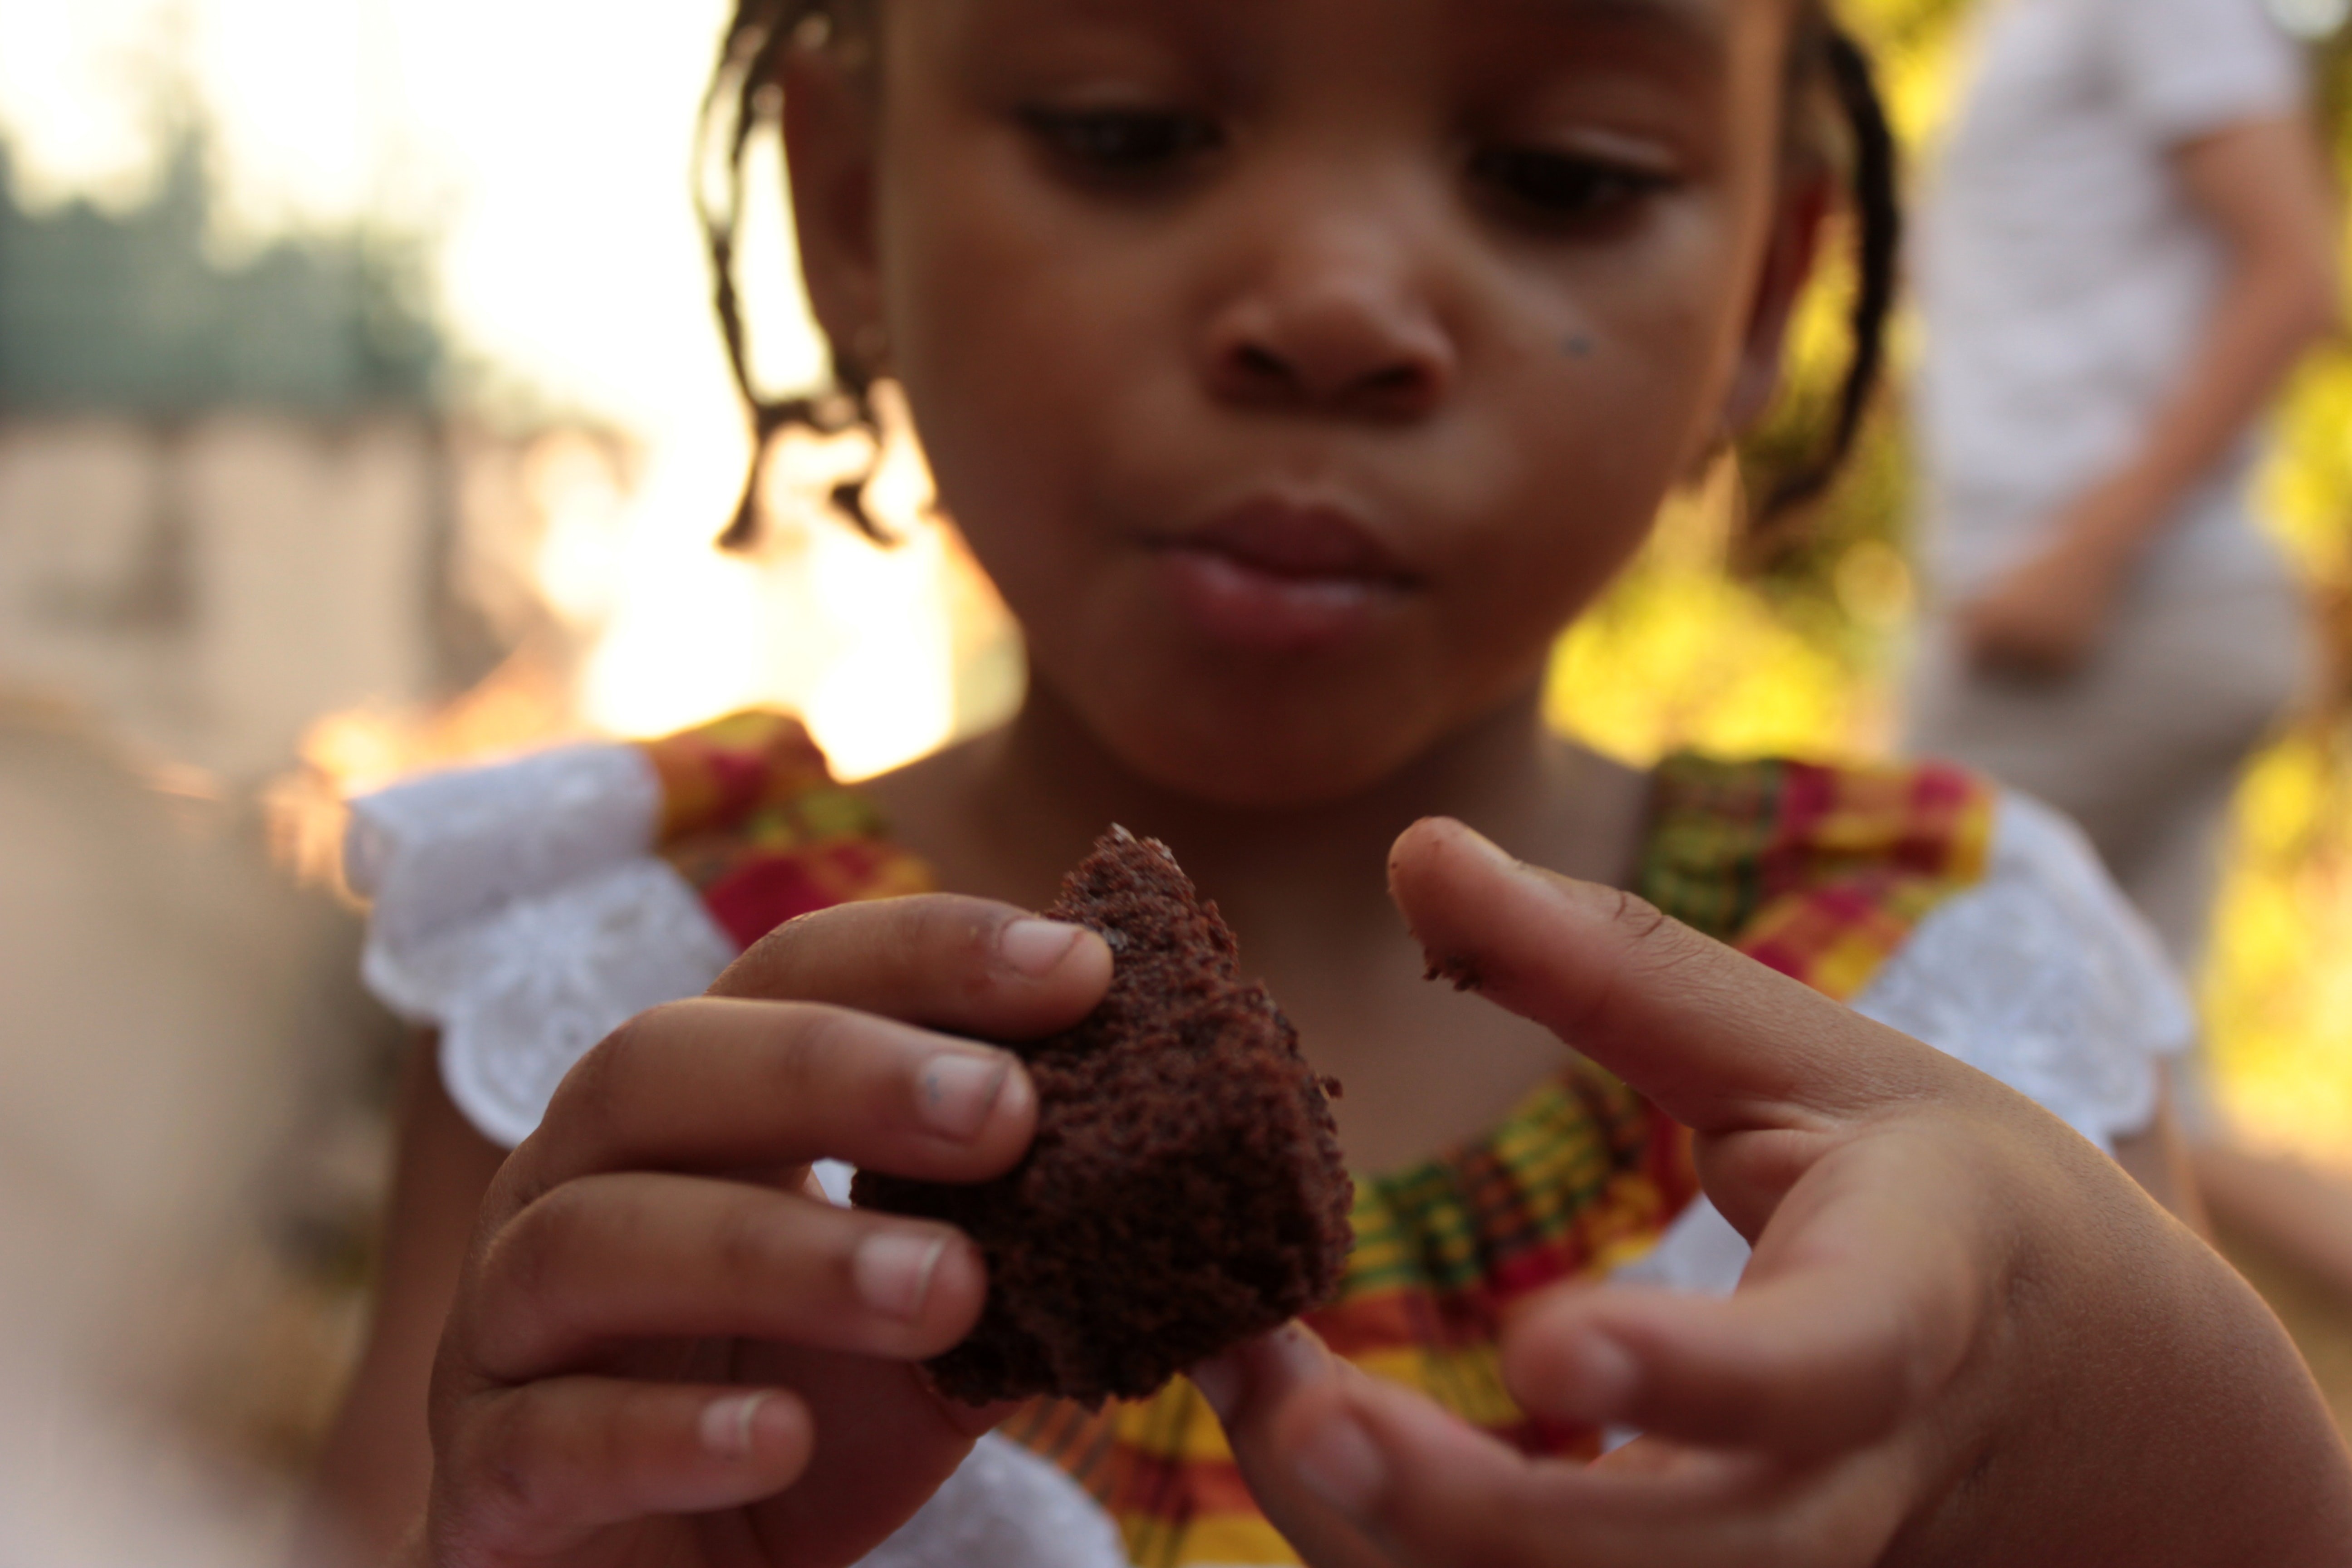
x,y
548,143
549,147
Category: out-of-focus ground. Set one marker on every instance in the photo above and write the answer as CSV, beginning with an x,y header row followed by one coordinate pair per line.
x,y
261,541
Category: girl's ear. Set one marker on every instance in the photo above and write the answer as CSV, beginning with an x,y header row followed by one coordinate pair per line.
x,y
1804,206
830,149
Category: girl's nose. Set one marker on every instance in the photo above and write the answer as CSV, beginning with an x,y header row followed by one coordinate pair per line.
x,y
1340,337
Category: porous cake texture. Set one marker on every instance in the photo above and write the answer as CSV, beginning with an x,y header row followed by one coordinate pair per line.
x,y
1185,1190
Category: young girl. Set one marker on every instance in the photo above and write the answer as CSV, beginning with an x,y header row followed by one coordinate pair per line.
x,y
1298,369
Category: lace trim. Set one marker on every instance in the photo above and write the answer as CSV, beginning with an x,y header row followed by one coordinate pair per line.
x,y
436,851
1006,1508
518,911
2044,978
2041,976
522,994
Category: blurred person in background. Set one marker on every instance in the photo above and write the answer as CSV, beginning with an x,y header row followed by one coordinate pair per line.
x,y
2129,246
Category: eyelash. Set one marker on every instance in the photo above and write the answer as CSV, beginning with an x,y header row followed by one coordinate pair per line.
x,y
1140,146
1123,143
1559,187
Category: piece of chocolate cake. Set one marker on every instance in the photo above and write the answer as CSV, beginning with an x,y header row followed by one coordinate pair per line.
x,y
1185,1190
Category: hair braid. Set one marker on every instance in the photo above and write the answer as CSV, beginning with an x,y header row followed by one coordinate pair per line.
x,y
744,97
1878,212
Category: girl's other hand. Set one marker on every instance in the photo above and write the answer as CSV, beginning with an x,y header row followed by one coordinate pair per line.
x,y
667,1347
1965,1336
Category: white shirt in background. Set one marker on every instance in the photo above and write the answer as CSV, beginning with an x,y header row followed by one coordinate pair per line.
x,y
2065,277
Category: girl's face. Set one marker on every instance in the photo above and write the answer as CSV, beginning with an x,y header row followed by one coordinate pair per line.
x,y
1298,368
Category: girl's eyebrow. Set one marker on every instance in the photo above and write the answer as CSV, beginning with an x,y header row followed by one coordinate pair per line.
x,y
1694,25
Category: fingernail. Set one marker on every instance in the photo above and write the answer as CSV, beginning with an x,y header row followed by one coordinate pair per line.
x,y
957,1091
1036,948
1605,1374
1489,851
1337,1463
1297,1355
1219,1379
727,1424
893,1270
1610,1372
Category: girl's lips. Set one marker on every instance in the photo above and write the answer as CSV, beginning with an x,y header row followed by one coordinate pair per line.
x,y
1280,578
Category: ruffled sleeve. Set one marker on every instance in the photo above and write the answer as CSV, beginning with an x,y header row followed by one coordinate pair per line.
x,y
2045,978
2041,975
526,908
521,912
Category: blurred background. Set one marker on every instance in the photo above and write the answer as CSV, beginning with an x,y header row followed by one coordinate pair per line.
x,y
359,410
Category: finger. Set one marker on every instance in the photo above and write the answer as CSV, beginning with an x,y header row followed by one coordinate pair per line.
x,y
1721,1042
609,1260
968,966
1247,1387
1358,1473
1858,1310
712,1083
532,1471
884,1445
1428,1490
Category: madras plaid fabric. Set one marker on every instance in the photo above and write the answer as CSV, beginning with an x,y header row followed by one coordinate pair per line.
x,y
754,821
1821,872
1581,1177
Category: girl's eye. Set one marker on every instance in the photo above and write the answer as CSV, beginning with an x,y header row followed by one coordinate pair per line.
x,y
1559,187
1122,141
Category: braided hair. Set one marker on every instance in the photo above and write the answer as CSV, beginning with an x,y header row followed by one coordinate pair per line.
x,y
1829,55
746,97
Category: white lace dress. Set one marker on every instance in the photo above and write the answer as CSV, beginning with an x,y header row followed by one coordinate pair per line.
x,y
521,911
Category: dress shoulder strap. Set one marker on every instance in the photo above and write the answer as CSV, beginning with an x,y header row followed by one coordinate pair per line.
x,y
525,908
754,821
1820,871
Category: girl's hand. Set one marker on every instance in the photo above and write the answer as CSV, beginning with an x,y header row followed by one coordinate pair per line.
x,y
668,1348
1965,1336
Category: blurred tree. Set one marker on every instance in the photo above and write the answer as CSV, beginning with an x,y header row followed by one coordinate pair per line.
x,y
134,312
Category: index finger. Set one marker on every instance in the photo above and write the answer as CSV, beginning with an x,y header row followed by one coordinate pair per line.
x,y
1718,1041
973,966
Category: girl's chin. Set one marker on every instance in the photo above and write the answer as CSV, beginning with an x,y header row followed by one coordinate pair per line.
x,y
1270,766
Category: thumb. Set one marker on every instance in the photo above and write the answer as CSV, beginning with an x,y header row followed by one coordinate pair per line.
x,y
1719,1042
1265,1393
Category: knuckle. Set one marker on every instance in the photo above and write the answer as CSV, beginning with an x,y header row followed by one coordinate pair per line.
x,y
583,1105
504,1474
600,1079
944,946
743,1240
1642,921
813,1043
1659,943
525,1269
961,928
853,952
774,965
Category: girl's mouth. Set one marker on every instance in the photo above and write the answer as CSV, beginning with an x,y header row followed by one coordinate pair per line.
x,y
1276,576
